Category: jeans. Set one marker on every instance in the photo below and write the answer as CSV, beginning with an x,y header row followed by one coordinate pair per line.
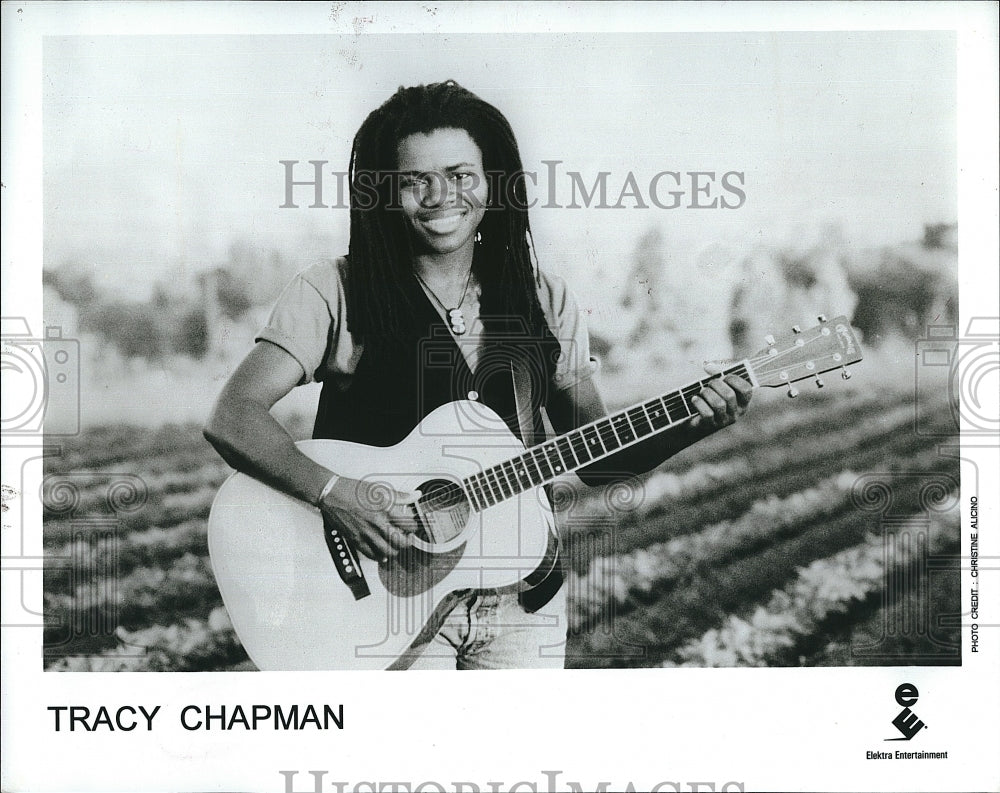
x,y
493,631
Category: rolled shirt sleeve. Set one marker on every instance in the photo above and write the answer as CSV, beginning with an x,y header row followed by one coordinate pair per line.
x,y
569,326
306,321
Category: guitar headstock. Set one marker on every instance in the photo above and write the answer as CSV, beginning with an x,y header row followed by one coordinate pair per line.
x,y
802,354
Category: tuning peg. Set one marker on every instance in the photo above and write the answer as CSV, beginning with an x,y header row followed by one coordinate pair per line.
x,y
796,329
792,391
844,373
821,317
769,340
819,382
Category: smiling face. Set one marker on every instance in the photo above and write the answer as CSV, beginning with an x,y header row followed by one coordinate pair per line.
x,y
443,189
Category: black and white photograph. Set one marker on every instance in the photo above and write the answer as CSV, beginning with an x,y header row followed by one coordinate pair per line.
x,y
644,357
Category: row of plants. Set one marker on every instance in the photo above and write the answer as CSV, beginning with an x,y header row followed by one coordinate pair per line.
x,y
673,611
708,540
769,634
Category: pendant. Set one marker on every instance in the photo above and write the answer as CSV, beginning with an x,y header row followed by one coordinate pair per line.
x,y
457,319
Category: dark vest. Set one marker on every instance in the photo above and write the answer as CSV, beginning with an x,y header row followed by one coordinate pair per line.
x,y
391,392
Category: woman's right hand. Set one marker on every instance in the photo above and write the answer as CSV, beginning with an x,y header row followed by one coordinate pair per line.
x,y
375,518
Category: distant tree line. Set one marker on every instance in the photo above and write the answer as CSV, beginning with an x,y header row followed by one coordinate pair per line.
x,y
177,317
909,287
166,324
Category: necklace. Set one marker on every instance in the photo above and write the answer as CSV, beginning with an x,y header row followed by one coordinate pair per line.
x,y
455,316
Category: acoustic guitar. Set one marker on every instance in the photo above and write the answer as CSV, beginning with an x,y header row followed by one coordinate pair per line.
x,y
300,598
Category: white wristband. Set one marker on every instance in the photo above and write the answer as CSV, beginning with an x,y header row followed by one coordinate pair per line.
x,y
327,488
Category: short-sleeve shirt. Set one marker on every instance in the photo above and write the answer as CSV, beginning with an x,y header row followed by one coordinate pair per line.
x,y
309,322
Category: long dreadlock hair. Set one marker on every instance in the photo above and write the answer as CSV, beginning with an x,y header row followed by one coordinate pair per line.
x,y
380,254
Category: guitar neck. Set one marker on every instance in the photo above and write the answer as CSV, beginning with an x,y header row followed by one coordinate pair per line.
x,y
587,444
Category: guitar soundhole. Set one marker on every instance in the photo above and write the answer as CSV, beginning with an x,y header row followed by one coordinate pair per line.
x,y
442,512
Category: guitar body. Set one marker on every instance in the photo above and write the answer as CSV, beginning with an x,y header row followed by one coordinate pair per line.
x,y
284,596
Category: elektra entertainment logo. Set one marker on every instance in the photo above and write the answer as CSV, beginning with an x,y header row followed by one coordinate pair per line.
x,y
906,721
909,725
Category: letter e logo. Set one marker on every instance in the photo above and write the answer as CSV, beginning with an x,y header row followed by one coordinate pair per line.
x,y
906,721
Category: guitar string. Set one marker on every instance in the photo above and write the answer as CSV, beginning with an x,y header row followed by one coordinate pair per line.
x,y
482,486
605,430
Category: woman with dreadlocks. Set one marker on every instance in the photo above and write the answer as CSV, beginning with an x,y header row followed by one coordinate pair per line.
x,y
438,299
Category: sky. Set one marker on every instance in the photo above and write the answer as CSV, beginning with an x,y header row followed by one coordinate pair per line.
x,y
161,151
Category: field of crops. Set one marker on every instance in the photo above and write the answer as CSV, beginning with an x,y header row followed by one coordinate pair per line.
x,y
822,531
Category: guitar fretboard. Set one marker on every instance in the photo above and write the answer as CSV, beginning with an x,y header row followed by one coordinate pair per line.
x,y
580,447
